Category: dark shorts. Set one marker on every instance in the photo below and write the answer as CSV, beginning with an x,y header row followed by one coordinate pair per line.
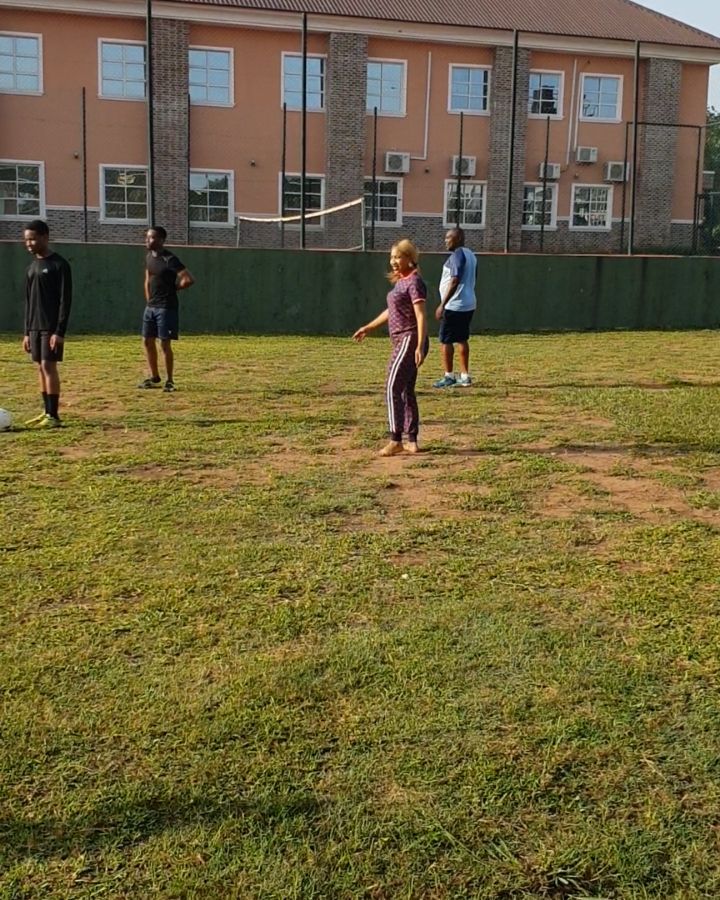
x,y
40,347
161,323
455,326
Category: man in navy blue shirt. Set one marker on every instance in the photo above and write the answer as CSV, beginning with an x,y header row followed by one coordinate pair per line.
x,y
165,275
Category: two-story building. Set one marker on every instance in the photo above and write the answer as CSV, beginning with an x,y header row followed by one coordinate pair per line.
x,y
517,119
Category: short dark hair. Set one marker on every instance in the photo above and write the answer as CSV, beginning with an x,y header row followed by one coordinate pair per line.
x,y
159,231
38,226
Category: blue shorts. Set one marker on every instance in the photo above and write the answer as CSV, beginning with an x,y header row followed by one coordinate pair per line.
x,y
161,323
455,326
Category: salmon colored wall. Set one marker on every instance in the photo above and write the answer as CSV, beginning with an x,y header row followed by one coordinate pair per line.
x,y
693,111
223,138
49,127
423,187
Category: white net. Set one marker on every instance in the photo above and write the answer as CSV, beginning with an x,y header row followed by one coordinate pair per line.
x,y
344,232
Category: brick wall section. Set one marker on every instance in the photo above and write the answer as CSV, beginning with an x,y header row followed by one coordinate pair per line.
x,y
170,98
67,225
563,240
657,154
499,151
346,128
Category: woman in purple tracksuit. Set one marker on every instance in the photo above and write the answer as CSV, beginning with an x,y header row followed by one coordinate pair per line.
x,y
405,315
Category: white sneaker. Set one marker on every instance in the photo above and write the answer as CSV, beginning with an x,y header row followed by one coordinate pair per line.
x,y
464,381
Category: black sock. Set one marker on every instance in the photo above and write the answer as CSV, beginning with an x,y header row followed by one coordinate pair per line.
x,y
53,401
45,401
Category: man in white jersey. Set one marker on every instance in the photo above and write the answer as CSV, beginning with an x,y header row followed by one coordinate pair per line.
x,y
457,305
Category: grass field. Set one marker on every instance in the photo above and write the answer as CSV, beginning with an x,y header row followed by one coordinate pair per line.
x,y
243,657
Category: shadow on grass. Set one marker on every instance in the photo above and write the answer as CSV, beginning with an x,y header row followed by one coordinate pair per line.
x,y
117,823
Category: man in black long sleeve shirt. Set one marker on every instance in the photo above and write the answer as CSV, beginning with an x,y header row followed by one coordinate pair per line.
x,y
48,297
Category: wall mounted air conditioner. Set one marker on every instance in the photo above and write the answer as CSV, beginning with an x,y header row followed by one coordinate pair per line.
x,y
467,168
708,180
616,171
553,171
586,154
397,163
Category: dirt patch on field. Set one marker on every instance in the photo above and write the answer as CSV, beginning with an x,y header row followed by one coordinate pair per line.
x,y
624,482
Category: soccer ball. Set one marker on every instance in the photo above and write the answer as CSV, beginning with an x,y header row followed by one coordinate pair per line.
x,y
5,420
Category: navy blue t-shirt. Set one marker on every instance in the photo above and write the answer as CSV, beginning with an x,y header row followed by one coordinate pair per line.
x,y
163,270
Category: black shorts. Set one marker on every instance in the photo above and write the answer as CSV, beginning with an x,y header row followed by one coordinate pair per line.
x,y
455,326
162,323
40,350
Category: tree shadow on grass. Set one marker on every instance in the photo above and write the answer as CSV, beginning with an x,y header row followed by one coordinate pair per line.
x,y
123,823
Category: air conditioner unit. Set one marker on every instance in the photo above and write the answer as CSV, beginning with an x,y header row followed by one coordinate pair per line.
x,y
708,180
616,171
467,167
397,163
586,154
552,173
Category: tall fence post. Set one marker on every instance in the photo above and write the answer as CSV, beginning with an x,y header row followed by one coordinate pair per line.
x,y
511,154
303,137
458,186
84,166
150,110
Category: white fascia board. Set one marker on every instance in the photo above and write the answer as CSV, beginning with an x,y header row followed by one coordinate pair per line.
x,y
445,34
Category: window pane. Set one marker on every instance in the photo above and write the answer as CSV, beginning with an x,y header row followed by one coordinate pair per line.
x,y
198,58
134,53
198,182
219,60
26,46
112,52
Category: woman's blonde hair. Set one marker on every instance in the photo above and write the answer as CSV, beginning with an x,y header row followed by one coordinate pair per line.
x,y
405,248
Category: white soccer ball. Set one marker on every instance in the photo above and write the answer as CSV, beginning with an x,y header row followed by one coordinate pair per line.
x,y
5,420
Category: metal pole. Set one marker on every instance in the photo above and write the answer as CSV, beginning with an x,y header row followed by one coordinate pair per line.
x,y
544,184
458,187
303,138
187,206
150,110
374,181
511,156
696,215
283,166
84,165
636,108
624,188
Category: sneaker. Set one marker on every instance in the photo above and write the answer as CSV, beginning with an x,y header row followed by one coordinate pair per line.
x,y
36,420
445,381
49,421
149,383
464,381
169,386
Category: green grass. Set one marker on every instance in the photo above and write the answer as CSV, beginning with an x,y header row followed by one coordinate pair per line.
x,y
243,657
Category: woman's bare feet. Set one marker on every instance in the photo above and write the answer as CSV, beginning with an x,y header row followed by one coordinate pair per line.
x,y
411,447
392,449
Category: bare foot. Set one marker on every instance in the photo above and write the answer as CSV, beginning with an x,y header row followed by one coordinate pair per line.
x,y
411,447
391,449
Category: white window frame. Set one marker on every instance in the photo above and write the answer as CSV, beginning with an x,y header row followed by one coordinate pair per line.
x,y
399,209
447,223
314,109
104,219
553,188
316,224
469,112
392,115
618,108
39,38
231,86
592,228
561,95
101,96
231,199
41,181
